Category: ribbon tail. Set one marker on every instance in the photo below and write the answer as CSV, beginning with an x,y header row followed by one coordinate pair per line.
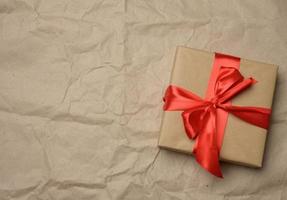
x,y
236,89
207,156
257,116
205,149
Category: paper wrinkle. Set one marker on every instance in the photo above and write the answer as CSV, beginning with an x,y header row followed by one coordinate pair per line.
x,y
81,85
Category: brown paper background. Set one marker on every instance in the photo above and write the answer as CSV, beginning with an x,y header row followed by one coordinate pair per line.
x,y
80,97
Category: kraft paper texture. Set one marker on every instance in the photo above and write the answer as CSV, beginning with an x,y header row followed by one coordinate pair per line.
x,y
81,87
243,143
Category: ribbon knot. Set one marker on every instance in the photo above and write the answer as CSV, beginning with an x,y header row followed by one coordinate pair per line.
x,y
204,119
214,102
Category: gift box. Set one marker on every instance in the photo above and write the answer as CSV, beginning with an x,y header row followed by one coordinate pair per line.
x,y
242,143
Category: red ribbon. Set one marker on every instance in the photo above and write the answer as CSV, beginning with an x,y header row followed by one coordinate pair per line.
x,y
205,119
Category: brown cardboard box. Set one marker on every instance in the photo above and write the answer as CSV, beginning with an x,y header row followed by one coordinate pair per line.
x,y
243,143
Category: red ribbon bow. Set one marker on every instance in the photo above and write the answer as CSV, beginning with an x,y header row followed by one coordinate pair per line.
x,y
204,119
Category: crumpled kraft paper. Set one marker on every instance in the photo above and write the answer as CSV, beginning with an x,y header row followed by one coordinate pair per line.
x,y
81,85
